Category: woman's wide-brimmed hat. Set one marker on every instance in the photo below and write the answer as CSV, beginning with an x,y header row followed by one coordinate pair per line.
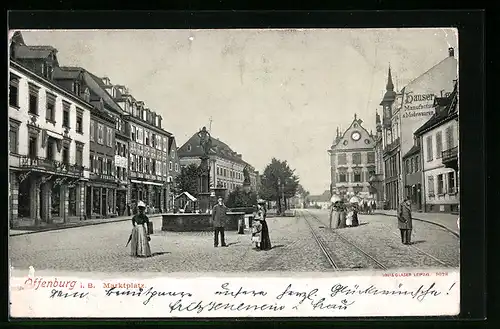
x,y
335,198
141,205
261,201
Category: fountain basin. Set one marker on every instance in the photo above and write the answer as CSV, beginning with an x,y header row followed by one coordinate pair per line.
x,y
197,222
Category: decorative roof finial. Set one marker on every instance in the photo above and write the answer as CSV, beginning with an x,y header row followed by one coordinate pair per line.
x,y
355,116
390,85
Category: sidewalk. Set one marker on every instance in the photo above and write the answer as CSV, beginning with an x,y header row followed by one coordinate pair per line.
x,y
446,221
61,226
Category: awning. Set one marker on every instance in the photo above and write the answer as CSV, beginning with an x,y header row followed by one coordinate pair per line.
x,y
54,134
145,182
190,197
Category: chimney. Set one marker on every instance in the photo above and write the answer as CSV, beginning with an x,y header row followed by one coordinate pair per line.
x,y
451,52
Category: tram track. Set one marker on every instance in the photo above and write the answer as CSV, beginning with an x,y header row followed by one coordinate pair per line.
x,y
373,259
331,256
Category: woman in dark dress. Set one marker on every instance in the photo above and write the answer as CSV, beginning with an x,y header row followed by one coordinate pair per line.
x,y
265,242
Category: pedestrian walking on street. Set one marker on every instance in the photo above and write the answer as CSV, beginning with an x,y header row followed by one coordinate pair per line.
x,y
139,238
265,240
405,221
335,215
219,219
343,216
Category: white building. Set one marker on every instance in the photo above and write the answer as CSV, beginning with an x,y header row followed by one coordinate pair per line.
x,y
439,140
48,145
226,166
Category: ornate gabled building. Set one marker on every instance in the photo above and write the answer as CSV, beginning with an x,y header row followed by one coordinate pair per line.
x,y
352,161
226,166
48,143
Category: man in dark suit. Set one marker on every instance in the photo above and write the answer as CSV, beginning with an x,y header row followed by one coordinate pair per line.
x,y
219,219
405,221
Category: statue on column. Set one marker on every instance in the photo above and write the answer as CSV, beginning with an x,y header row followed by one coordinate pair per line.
x,y
246,175
205,140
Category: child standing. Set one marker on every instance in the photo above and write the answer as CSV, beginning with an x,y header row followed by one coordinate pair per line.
x,y
256,233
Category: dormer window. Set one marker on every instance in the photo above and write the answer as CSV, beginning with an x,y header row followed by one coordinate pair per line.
x,y
189,147
76,87
86,95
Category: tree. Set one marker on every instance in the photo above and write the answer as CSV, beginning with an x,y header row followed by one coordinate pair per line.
x,y
187,181
241,198
279,183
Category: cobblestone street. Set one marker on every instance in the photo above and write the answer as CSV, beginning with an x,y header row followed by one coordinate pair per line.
x,y
101,248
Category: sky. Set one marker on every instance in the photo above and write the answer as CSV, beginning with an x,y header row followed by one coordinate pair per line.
x,y
267,93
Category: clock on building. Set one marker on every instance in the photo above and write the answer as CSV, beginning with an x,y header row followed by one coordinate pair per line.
x,y
356,136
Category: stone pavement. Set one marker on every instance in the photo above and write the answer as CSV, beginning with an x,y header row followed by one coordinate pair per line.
x,y
447,221
61,226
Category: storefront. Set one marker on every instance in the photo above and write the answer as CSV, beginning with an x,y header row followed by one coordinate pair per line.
x,y
101,197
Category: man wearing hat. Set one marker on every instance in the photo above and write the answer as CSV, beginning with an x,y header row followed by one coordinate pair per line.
x,y
219,219
405,221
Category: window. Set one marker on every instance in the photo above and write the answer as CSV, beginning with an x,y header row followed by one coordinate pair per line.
x,y
65,154
153,167
33,98
429,148
176,167
147,138
417,163
79,121
342,159
189,147
33,147
412,165
79,155
439,145
50,149
50,110
133,133
76,88
450,138
91,161
100,166
14,92
100,134
170,166
165,144
13,139
430,185
86,95
371,157
140,136
451,183
357,176
109,137
343,177
356,158
141,164
92,131
154,140
440,184
66,108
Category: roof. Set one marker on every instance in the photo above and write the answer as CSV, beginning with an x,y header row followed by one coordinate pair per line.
x,y
219,148
62,73
414,150
325,197
96,85
445,111
33,52
351,127
190,197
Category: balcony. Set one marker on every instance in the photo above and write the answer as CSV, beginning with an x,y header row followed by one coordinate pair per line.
x,y
101,176
450,158
51,166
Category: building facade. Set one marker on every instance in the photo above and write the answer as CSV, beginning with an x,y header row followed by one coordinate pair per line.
x,y
148,150
391,154
226,166
48,143
377,181
412,170
352,161
174,170
439,140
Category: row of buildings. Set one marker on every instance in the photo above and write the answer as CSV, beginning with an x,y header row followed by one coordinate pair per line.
x,y
81,147
414,152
